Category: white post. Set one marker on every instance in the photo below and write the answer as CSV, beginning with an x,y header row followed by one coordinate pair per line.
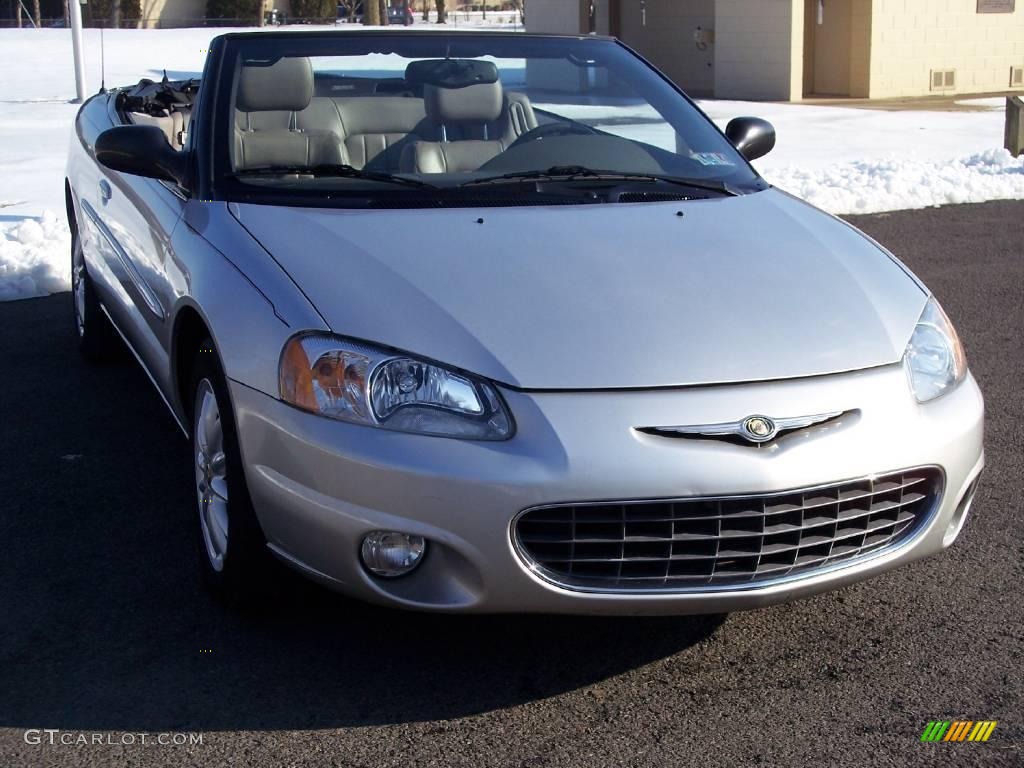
x,y
75,9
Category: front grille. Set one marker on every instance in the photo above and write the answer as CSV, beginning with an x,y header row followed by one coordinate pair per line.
x,y
726,541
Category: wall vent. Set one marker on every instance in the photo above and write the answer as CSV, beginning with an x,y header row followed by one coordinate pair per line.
x,y
943,79
1017,77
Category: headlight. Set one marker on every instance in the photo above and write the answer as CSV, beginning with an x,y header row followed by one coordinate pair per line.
x,y
356,382
934,359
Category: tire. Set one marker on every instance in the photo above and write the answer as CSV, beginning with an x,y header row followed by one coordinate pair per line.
x,y
232,547
97,339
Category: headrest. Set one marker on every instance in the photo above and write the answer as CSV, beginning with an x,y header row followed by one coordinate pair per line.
x,y
287,84
480,103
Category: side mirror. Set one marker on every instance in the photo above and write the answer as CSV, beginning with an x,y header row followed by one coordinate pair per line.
x,y
752,136
141,150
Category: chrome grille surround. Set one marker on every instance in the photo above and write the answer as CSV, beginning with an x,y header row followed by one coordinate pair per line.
x,y
725,543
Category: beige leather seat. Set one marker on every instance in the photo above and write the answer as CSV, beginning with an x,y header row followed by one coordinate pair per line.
x,y
477,123
174,125
280,122
374,130
267,130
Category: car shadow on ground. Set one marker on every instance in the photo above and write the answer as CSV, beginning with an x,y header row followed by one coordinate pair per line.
x,y
106,626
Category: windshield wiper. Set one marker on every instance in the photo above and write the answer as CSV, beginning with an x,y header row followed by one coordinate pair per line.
x,y
572,172
331,169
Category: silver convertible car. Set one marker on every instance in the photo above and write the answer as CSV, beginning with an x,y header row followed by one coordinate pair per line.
x,y
503,322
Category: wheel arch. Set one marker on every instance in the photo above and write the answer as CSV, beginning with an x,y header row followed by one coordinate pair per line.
x,y
190,328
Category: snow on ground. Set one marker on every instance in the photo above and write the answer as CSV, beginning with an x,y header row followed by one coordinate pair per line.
x,y
868,160
991,102
843,160
32,259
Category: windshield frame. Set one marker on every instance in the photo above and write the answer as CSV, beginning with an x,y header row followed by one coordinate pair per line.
x,y
219,180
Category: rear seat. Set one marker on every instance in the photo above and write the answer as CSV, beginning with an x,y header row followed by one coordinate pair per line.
x,y
374,129
174,125
279,122
407,134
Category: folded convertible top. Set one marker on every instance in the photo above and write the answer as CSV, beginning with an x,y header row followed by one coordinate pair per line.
x,y
158,98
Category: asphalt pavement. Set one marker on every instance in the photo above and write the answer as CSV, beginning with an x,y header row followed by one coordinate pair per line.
x,y
106,631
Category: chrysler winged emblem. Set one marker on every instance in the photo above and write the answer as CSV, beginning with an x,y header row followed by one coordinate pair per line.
x,y
756,429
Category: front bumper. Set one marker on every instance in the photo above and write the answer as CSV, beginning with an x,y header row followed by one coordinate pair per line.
x,y
318,485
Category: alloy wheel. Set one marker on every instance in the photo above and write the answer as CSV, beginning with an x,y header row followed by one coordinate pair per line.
x,y
211,474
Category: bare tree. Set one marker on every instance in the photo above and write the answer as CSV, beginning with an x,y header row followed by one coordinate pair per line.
x,y
442,14
384,21
426,10
349,8
115,13
36,14
520,6
371,13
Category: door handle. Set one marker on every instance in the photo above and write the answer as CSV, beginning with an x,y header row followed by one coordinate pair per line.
x,y
105,191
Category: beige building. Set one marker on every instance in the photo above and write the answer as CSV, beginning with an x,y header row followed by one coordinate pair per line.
x,y
172,13
791,49
167,14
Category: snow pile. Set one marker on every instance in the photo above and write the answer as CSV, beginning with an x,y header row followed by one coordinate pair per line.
x,y
35,257
872,186
989,102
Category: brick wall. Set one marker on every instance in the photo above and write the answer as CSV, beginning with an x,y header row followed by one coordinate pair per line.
x,y
910,38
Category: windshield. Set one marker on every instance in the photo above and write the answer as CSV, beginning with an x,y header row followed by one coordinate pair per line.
x,y
370,119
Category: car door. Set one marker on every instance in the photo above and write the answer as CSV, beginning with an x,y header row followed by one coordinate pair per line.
x,y
132,219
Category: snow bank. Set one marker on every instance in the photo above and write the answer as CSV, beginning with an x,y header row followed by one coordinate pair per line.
x,y
993,103
34,257
886,185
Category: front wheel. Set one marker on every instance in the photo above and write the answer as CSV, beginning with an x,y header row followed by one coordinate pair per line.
x,y
232,545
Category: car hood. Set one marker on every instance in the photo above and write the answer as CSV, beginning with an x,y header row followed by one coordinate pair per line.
x,y
748,288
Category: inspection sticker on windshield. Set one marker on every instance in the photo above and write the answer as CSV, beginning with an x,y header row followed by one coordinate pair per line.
x,y
711,158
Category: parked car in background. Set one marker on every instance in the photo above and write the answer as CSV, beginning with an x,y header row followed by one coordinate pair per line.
x,y
503,322
400,13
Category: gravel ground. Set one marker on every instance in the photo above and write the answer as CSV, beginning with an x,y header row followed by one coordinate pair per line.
x,y
105,629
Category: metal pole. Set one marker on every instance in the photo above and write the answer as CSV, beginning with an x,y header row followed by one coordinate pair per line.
x,y
76,45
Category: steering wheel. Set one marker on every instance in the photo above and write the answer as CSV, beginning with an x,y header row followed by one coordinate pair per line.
x,y
553,129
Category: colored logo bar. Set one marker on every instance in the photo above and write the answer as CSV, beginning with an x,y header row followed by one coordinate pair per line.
x,y
958,730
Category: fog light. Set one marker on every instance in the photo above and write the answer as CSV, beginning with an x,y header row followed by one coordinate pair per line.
x,y
390,553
